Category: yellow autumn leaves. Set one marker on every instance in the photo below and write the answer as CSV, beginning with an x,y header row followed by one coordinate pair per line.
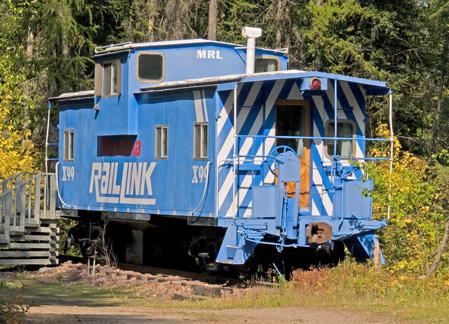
x,y
417,213
16,150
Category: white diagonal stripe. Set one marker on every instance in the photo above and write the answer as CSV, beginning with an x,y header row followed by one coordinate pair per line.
x,y
270,102
255,89
295,93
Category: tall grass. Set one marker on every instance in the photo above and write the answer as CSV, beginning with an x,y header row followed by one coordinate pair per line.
x,y
357,287
365,284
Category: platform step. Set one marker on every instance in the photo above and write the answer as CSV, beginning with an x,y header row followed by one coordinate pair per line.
x,y
231,250
32,225
30,261
17,233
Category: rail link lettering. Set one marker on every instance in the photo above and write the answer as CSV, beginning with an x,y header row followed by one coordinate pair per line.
x,y
135,177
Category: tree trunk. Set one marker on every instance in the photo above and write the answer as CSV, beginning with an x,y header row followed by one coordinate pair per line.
x,y
280,15
213,11
27,87
30,44
436,123
434,266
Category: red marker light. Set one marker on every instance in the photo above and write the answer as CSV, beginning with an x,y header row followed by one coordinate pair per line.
x,y
315,84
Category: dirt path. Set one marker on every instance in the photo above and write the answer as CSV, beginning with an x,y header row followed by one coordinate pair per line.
x,y
62,295
126,315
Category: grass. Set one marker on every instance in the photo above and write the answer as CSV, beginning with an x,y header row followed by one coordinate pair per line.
x,y
350,287
80,294
358,288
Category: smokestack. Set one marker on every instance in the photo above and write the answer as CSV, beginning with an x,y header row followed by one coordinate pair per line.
x,y
251,33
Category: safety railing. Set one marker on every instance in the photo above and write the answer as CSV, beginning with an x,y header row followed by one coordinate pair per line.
x,y
253,154
24,199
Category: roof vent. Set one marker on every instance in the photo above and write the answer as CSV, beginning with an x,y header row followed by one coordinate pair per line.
x,y
251,33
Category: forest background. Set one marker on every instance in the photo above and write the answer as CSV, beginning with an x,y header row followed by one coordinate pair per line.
x,y
46,49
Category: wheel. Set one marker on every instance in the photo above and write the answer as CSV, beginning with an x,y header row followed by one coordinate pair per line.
x,y
205,263
272,157
337,255
330,257
205,248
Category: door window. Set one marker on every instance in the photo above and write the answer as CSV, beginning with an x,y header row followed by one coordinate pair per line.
x,y
290,121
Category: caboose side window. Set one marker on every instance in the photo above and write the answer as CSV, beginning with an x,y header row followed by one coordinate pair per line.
x,y
68,147
150,67
345,128
161,144
200,141
118,145
111,78
267,64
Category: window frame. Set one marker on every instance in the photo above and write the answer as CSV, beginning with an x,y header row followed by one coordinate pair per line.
x,y
198,139
105,146
152,81
326,134
268,57
113,91
159,142
69,145
304,113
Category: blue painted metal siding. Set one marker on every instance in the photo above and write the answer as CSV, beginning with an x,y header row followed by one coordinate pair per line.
x,y
173,186
177,178
184,62
176,187
77,117
117,114
256,116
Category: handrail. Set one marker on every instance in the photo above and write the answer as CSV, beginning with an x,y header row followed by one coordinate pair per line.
x,y
364,139
25,182
248,153
15,176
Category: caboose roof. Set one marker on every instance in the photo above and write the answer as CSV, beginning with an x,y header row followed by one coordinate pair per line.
x,y
372,87
101,50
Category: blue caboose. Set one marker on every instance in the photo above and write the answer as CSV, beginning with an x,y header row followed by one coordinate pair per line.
x,y
220,148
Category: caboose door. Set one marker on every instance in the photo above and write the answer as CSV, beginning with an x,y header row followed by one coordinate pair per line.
x,y
293,119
